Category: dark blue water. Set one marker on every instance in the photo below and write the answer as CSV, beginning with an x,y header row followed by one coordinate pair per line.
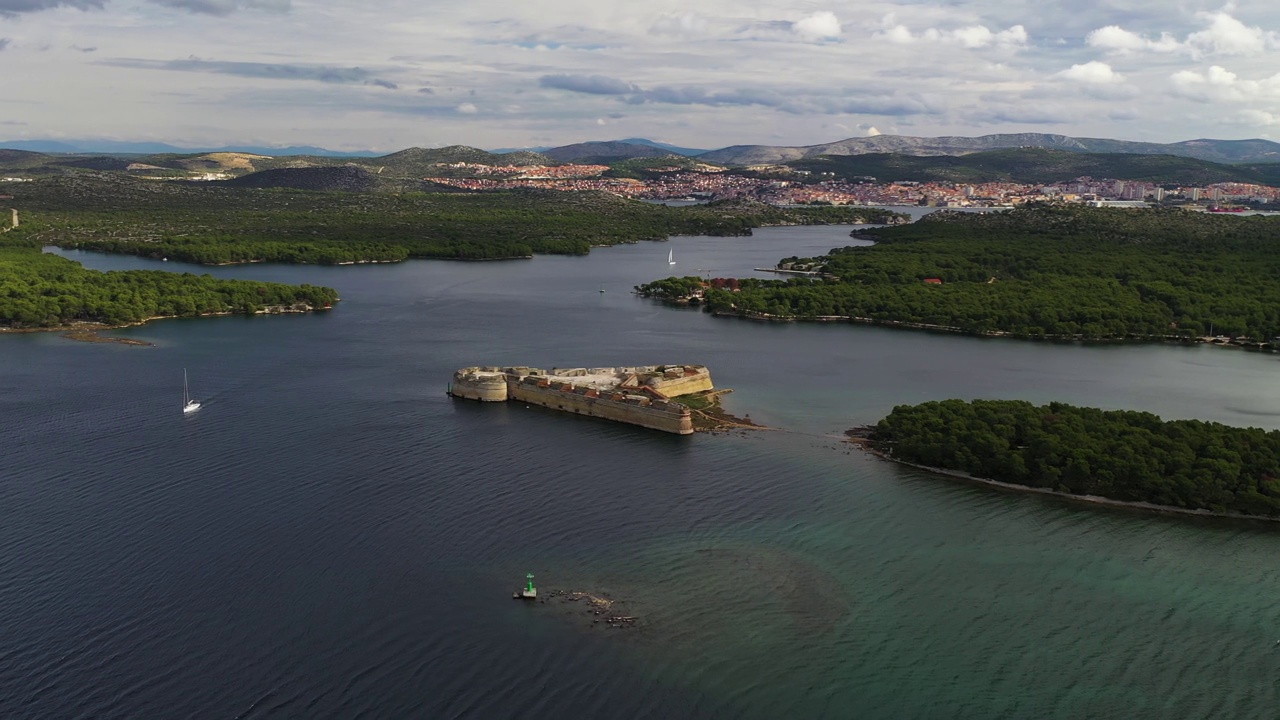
x,y
332,537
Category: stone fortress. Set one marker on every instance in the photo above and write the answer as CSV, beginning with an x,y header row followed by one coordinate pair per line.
x,y
636,395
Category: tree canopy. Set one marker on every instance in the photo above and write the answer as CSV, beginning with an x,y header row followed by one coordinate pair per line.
x,y
201,223
1122,455
40,290
1042,272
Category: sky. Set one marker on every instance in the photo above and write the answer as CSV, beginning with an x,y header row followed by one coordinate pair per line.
x,y
389,74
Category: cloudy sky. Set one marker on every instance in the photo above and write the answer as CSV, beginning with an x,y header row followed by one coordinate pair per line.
x,y
388,74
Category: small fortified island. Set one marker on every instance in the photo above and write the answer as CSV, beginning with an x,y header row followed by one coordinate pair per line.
x,y
636,395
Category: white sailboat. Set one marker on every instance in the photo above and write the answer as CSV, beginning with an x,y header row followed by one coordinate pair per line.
x,y
671,260
188,405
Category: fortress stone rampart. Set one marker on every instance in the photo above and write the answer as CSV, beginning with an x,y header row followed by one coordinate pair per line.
x,y
635,395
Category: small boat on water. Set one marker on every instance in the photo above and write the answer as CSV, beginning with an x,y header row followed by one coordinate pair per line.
x,y
188,405
671,259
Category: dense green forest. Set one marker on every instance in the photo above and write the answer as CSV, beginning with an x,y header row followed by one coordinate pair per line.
x,y
40,290
1122,455
1033,166
1048,271
198,222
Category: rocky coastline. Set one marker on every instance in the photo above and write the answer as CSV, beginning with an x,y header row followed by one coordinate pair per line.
x,y
860,436
88,331
1219,340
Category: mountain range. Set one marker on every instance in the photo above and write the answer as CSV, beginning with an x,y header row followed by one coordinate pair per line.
x,y
115,147
1219,151
1222,151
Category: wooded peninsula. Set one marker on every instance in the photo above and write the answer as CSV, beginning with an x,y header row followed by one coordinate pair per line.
x,y
210,223
215,224
38,290
1037,272
1121,455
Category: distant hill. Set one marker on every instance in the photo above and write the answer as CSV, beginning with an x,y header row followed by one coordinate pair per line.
x,y
347,178
1029,165
1269,172
1023,164
630,141
409,163
690,152
603,152
21,159
421,162
1230,151
114,147
525,157
649,167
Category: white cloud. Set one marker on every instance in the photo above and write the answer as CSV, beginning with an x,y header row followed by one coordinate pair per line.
x,y
1228,36
688,24
1222,35
1217,84
1258,118
872,131
822,25
971,36
1117,39
498,74
1092,72
898,34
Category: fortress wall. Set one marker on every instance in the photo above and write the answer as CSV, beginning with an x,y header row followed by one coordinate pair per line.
x,y
683,382
485,389
683,386
667,420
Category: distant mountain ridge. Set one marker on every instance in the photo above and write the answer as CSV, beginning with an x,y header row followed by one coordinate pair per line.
x,y
409,163
1221,151
667,147
1034,165
114,147
604,152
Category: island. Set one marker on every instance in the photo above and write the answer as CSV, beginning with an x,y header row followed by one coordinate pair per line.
x,y
676,399
39,291
1108,456
1045,272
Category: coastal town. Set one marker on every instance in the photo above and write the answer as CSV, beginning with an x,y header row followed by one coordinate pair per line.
x,y
782,185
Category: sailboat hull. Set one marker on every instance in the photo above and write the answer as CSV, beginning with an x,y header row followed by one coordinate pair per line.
x,y
188,405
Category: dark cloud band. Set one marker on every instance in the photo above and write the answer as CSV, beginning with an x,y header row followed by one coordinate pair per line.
x,y
15,7
269,71
224,7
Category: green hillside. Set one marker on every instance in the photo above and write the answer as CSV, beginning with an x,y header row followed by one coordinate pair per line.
x,y
219,223
1032,165
1121,455
1037,272
412,163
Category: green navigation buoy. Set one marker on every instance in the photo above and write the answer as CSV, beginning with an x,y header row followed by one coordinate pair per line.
x,y
529,592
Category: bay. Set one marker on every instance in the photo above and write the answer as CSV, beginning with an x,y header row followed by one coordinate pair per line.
x,y
331,536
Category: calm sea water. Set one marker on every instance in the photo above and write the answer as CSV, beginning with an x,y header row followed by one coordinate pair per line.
x,y
332,537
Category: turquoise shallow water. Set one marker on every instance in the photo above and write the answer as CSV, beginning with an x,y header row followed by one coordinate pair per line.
x,y
331,536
